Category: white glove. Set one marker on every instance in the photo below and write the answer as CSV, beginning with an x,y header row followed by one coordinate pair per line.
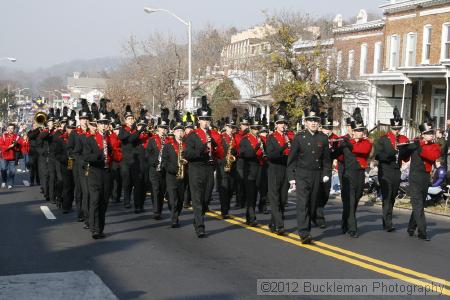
x,y
292,186
325,179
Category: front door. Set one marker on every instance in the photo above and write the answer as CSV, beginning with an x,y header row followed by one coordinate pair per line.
x,y
438,105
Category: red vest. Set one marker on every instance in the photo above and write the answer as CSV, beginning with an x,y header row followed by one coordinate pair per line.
x,y
361,149
254,142
116,144
429,154
282,140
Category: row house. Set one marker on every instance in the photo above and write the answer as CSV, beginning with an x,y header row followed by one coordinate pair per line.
x,y
400,60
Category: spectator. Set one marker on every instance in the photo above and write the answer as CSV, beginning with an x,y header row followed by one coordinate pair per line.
x,y
10,146
25,152
440,139
439,179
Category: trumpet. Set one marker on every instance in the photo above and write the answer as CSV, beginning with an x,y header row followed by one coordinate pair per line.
x,y
40,118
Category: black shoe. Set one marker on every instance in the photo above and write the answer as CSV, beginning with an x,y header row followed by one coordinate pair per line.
x,y
97,236
353,234
280,231
306,239
410,233
201,233
66,211
390,229
175,225
127,206
86,226
265,210
80,219
157,217
323,226
344,230
251,223
423,237
186,205
272,228
225,216
137,211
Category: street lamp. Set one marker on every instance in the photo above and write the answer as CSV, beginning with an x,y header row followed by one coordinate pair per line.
x,y
11,59
150,10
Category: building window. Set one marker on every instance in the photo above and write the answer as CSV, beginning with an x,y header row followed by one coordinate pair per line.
x,y
338,64
328,64
351,62
363,60
445,48
426,44
394,50
410,58
377,58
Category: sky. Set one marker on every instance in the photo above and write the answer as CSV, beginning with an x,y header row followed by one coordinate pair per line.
x,y
42,33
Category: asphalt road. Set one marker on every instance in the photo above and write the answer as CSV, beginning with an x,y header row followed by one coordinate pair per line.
x,y
142,258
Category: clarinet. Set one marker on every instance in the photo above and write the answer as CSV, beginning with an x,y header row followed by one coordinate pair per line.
x,y
163,142
287,140
208,136
261,145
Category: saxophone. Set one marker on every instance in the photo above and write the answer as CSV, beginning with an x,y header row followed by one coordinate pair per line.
x,y
163,142
210,154
181,162
70,163
230,158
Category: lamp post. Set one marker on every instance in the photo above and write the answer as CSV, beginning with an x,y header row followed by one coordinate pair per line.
x,y
188,24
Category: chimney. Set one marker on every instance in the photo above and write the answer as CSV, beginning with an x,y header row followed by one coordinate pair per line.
x,y
76,75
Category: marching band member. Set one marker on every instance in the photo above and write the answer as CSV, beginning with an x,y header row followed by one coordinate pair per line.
x,y
327,129
240,186
424,152
114,128
174,166
308,166
356,151
189,125
154,153
129,140
262,180
278,147
139,165
44,141
390,155
99,153
203,146
251,150
227,166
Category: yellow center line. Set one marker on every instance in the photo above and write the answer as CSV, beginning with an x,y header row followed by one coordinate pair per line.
x,y
293,239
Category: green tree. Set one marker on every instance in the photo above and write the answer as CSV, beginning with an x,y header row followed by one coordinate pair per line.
x,y
221,99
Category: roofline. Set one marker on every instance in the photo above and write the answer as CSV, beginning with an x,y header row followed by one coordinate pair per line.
x,y
360,27
409,4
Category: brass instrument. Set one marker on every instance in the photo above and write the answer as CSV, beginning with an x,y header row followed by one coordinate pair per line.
x,y
230,158
163,142
40,118
70,163
181,162
287,140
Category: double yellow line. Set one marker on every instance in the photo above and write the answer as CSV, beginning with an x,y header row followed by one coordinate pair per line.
x,y
363,261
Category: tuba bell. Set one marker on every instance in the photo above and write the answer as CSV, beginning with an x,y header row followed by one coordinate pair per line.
x,y
40,118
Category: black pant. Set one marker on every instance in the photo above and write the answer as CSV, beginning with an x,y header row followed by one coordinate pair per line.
x,y
132,181
319,216
389,183
33,167
277,193
308,184
262,185
175,189
251,174
84,183
68,188
418,187
44,176
157,178
353,184
117,182
187,188
240,183
76,173
200,175
226,187
99,182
